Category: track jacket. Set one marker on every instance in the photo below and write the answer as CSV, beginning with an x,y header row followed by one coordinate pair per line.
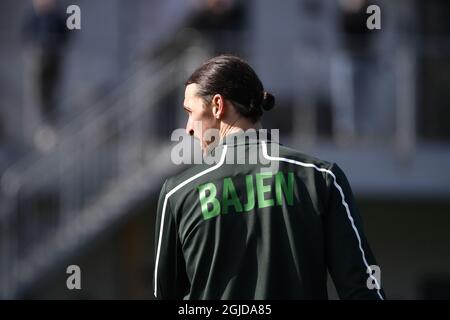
x,y
236,229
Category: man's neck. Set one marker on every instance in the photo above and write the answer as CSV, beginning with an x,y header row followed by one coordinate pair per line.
x,y
241,124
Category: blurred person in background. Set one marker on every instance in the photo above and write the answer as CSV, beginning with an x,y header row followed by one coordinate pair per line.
x,y
45,37
221,22
216,25
360,62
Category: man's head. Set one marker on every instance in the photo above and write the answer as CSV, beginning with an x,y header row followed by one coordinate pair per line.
x,y
44,6
224,93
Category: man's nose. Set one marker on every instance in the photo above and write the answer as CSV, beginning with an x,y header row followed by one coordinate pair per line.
x,y
189,128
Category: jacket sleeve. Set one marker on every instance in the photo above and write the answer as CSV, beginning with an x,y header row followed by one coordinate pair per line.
x,y
350,261
169,279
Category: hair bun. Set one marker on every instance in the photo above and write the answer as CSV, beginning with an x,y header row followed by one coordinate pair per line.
x,y
268,101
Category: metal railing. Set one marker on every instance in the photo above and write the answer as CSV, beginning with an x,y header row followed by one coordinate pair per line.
x,y
104,158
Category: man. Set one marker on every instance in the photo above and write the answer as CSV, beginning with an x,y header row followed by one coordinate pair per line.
x,y
45,36
237,231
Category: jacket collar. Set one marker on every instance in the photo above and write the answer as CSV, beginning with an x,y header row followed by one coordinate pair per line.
x,y
250,136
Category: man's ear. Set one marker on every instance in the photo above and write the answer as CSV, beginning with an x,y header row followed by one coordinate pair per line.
x,y
218,106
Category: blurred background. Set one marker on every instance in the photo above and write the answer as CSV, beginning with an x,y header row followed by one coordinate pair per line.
x,y
86,117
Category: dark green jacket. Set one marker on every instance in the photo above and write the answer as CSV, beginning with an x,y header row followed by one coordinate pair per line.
x,y
232,231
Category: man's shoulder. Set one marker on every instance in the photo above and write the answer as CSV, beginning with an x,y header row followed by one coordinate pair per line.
x,y
184,175
300,158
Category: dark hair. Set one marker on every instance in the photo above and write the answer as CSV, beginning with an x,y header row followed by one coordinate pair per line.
x,y
236,81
